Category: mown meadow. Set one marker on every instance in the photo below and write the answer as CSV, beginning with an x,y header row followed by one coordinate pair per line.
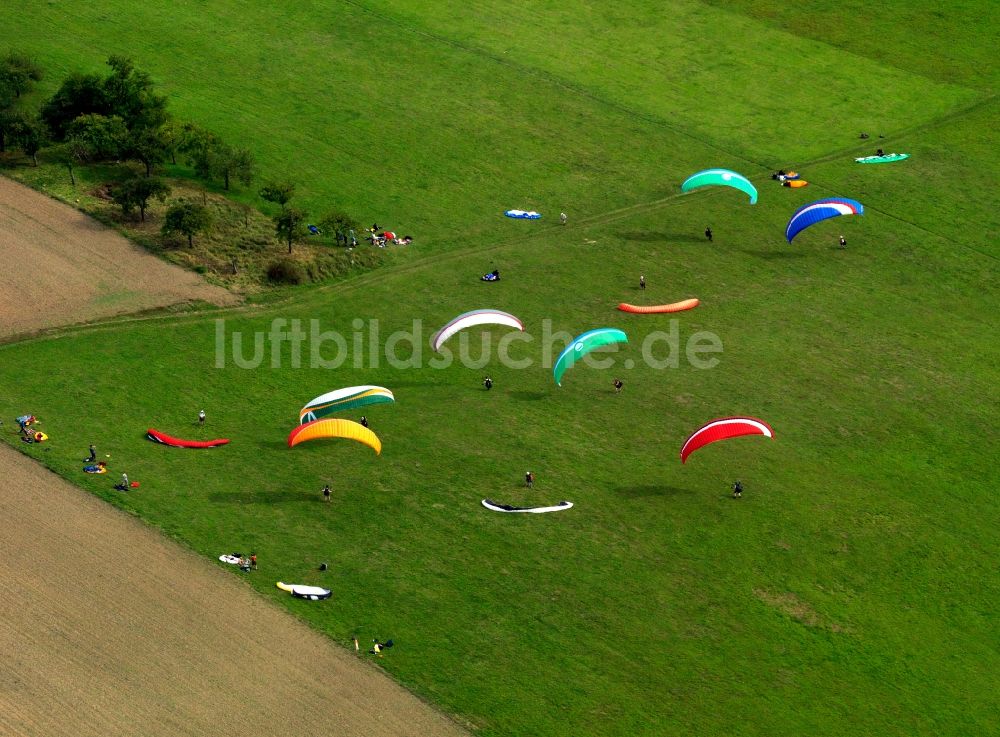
x,y
852,590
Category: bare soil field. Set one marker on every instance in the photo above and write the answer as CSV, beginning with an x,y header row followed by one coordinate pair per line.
x,y
107,628
61,267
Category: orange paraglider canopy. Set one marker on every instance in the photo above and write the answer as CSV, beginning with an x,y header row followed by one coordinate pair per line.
x,y
334,428
686,304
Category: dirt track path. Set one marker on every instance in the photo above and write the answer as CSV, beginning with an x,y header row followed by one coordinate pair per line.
x,y
107,628
61,267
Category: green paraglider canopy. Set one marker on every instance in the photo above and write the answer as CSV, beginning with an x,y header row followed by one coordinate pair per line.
x,y
584,344
720,178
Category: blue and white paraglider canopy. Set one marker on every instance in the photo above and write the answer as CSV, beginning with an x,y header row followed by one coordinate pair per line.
x,y
820,210
523,214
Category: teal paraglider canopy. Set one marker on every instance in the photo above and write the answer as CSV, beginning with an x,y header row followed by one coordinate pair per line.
x,y
583,344
720,178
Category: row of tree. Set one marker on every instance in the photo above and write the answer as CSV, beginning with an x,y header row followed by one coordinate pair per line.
x,y
117,117
18,74
121,117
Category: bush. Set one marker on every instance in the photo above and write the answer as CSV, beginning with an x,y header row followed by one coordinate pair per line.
x,y
286,271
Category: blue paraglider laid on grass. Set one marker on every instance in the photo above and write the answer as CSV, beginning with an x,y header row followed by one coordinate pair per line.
x,y
523,214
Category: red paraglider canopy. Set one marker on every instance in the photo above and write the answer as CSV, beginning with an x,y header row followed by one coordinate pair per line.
x,y
389,234
721,429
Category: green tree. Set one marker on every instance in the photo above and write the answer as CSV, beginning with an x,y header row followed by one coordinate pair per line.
x,y
232,163
212,158
31,135
126,93
174,133
280,193
290,225
187,218
123,196
69,154
149,146
100,137
130,95
136,193
19,72
337,221
10,121
79,94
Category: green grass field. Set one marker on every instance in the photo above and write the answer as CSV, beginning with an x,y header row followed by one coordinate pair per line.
x,y
854,588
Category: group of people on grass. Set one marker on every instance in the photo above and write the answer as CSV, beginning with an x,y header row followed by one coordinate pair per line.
x,y
28,434
382,238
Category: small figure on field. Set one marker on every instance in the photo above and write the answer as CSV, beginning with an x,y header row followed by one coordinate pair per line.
x,y
253,561
529,479
364,421
738,490
562,218
879,152
642,281
378,647
93,454
843,242
326,493
123,484
864,136
357,647
488,383
618,384
708,234
201,417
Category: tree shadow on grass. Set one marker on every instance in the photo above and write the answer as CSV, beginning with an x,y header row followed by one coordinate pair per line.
x,y
651,236
640,491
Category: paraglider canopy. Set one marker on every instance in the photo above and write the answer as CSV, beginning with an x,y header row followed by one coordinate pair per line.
x,y
720,178
334,429
340,400
471,319
523,214
583,344
883,159
722,429
820,210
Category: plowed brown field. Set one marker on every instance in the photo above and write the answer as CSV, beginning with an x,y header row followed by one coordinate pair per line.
x,y
107,628
58,266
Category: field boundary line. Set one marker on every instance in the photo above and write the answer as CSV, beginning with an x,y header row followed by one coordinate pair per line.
x,y
619,213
